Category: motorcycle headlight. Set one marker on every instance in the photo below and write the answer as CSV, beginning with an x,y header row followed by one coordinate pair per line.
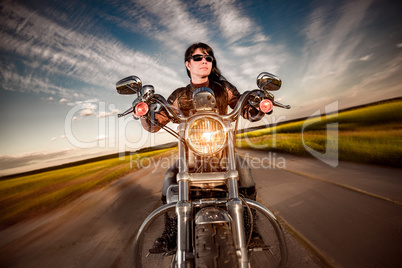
x,y
206,135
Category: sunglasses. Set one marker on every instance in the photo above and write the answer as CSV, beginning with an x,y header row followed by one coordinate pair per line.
x,y
200,57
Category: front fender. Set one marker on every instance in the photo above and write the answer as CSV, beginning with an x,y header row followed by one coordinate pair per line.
x,y
210,215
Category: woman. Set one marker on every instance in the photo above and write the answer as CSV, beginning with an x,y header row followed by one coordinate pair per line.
x,y
202,69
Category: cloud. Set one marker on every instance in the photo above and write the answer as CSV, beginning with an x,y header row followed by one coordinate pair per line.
x,y
63,100
53,139
12,161
170,22
232,23
388,77
94,106
344,59
366,58
50,50
87,112
101,137
106,114
61,50
103,114
330,45
333,43
88,108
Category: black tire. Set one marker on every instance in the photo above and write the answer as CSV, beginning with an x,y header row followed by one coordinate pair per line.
x,y
214,246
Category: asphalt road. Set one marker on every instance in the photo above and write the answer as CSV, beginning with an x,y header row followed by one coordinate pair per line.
x,y
348,216
351,215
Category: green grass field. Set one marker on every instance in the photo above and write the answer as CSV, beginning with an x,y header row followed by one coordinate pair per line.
x,y
24,196
370,134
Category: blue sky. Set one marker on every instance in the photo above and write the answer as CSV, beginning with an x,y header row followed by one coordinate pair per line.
x,y
60,61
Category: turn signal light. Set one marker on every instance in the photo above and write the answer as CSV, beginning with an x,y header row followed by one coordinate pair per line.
x,y
141,109
266,106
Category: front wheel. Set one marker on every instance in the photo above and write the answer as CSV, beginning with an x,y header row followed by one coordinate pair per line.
x,y
214,246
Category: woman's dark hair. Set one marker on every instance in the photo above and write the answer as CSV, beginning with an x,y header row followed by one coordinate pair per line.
x,y
215,72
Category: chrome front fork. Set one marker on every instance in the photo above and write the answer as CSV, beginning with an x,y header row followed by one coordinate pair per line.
x,y
183,253
184,209
235,209
184,220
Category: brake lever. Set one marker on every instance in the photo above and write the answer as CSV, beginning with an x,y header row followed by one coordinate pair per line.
x,y
278,104
129,110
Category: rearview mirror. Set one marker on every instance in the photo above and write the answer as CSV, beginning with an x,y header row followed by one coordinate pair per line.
x,y
129,85
267,81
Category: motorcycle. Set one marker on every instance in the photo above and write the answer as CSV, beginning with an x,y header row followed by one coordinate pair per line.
x,y
211,230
